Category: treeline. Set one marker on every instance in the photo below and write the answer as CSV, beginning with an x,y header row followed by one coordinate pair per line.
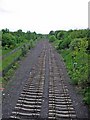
x,y
12,39
15,46
73,46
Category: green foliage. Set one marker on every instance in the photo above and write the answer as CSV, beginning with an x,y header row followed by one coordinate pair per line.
x,y
74,47
9,59
14,45
24,50
8,40
56,43
52,32
5,30
12,39
31,44
79,44
52,38
87,95
65,43
8,75
77,61
60,35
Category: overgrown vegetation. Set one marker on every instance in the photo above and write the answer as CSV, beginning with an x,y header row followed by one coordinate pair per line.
x,y
73,46
10,40
14,46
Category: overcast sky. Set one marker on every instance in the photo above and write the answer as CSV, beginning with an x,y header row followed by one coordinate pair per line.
x,y
43,16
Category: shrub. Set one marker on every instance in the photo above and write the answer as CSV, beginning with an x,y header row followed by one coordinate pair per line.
x,y
64,43
52,38
24,50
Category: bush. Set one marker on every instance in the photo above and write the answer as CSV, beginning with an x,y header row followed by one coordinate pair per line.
x,y
64,43
79,44
87,95
31,44
52,38
61,35
8,39
24,50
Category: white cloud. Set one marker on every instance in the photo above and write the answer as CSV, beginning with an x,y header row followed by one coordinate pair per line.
x,y
43,15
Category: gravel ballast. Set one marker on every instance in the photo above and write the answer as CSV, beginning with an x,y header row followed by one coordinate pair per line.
x,y
18,80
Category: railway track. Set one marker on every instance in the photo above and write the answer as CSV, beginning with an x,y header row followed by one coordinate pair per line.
x,y
45,94
60,103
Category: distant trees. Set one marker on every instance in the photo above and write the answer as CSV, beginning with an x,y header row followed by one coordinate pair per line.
x,y
68,36
12,39
5,30
52,32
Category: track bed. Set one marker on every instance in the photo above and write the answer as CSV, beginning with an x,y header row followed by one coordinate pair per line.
x,y
45,92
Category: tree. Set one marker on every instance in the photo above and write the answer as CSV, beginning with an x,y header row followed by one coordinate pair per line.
x,y
5,30
60,35
8,39
51,32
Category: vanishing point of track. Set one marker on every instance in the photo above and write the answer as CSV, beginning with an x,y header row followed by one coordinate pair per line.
x,y
45,95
